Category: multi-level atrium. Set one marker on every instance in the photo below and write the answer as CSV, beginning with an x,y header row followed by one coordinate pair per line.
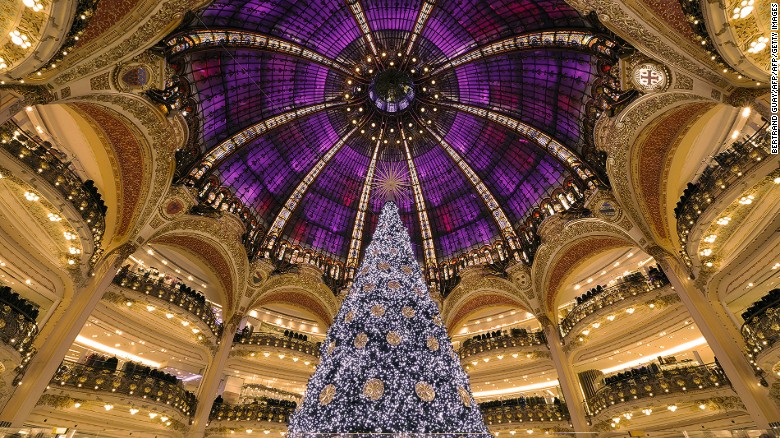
x,y
187,189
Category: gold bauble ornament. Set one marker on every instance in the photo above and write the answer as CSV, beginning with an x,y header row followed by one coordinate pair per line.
x,y
393,338
432,343
424,391
327,394
349,316
331,347
394,285
437,320
406,269
361,340
374,389
407,312
465,397
377,310
383,266
368,287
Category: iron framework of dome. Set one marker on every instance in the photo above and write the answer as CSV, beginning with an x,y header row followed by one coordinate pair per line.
x,y
297,108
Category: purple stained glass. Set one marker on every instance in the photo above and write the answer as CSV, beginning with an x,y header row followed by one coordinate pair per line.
x,y
237,88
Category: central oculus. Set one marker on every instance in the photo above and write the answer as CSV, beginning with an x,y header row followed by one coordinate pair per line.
x,y
391,91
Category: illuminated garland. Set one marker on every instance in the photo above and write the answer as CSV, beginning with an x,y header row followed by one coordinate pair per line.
x,y
387,364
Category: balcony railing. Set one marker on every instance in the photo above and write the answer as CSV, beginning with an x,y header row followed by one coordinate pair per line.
x,y
667,381
638,285
543,412
264,339
728,167
258,411
473,347
42,161
17,332
763,331
205,311
139,385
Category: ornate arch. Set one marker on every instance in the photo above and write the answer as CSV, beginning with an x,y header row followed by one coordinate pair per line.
x,y
478,289
566,246
139,143
303,289
216,243
641,143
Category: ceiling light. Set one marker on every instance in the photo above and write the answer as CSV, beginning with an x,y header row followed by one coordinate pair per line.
x,y
77,405
152,415
108,407
672,407
133,411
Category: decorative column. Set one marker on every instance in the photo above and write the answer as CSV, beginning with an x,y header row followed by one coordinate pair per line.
x,y
572,393
209,385
725,341
57,340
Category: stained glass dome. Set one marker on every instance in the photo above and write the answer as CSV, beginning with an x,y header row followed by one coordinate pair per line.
x,y
300,105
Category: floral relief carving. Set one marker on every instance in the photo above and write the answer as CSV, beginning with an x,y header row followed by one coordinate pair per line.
x,y
549,255
616,134
614,16
144,36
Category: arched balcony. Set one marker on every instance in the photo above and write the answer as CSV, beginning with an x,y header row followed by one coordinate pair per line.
x,y
132,382
762,330
41,159
258,415
532,412
635,288
516,341
265,341
730,166
654,382
17,332
153,291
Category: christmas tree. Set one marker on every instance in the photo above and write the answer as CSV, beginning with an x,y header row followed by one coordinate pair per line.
x,y
387,364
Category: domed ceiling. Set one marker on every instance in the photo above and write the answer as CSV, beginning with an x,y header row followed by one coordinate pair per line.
x,y
304,108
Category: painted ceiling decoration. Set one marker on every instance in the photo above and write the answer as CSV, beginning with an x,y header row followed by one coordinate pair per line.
x,y
484,107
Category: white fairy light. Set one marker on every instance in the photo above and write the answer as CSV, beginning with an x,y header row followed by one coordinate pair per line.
x,y
387,364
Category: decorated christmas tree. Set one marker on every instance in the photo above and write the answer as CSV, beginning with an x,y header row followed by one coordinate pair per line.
x,y
387,365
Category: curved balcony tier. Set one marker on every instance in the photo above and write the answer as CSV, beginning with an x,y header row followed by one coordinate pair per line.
x,y
142,387
154,292
762,334
271,342
512,343
719,184
17,331
41,161
227,418
637,290
618,395
507,414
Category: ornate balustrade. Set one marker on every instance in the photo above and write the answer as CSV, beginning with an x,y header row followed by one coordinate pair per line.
x,y
204,310
255,412
264,339
473,347
137,385
42,161
763,331
728,167
508,415
610,296
17,331
668,381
